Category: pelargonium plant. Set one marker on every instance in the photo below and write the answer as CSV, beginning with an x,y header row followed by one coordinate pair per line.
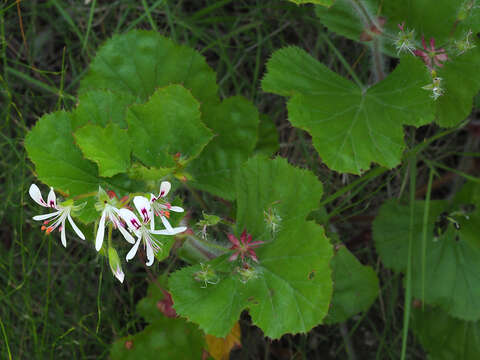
x,y
130,134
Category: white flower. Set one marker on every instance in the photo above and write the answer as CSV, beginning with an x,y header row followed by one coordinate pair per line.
x,y
58,217
109,213
160,207
142,231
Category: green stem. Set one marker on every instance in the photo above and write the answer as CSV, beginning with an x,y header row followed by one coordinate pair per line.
x,y
408,285
6,340
424,230
362,10
369,175
378,60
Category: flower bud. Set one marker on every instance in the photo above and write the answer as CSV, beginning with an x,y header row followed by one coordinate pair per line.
x,y
115,264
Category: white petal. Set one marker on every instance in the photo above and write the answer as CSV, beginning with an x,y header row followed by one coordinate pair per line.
x,y
133,250
63,236
75,228
45,216
130,219
52,199
176,209
119,274
126,234
100,232
164,188
152,222
166,223
176,230
160,232
36,195
150,255
143,207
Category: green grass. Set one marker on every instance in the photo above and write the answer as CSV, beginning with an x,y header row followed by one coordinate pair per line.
x,y
58,303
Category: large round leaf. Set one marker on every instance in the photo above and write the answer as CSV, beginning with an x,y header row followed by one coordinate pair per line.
x,y
139,62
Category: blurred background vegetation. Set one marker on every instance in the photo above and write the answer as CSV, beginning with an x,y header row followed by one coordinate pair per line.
x,y
63,303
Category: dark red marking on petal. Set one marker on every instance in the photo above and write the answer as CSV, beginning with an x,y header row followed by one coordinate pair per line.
x,y
135,223
146,218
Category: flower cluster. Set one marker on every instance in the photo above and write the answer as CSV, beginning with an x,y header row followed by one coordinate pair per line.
x,y
116,215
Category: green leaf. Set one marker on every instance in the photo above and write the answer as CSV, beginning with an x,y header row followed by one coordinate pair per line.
x,y
326,3
139,62
168,124
101,107
289,290
58,161
355,287
444,337
452,256
109,147
351,127
166,338
235,122
461,80
267,143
